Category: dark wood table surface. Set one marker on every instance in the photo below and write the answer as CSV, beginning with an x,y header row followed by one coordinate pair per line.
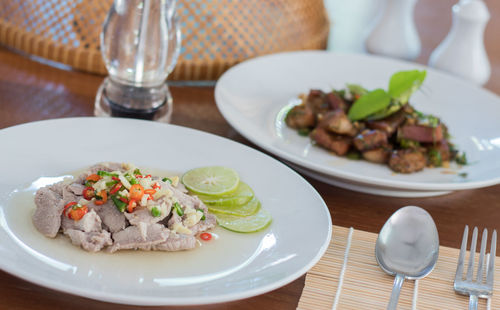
x,y
31,91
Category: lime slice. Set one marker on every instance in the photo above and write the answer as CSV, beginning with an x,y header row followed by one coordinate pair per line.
x,y
242,195
245,210
247,224
214,180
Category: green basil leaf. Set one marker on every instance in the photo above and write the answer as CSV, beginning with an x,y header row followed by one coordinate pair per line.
x,y
370,103
391,109
356,89
404,83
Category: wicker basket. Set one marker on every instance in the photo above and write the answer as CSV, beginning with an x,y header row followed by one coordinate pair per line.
x,y
216,34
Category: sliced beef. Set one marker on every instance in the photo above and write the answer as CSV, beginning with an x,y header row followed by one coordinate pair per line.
x,y
90,241
98,167
136,237
49,207
300,116
144,216
390,124
176,242
370,139
91,222
421,133
204,225
336,143
336,121
408,160
111,217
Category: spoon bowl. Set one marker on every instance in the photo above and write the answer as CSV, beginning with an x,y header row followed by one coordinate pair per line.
x,y
407,247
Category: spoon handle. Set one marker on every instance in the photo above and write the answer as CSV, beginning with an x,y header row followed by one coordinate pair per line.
x,y
396,289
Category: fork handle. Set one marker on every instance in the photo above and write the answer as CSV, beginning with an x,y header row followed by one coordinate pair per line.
x,y
396,289
473,302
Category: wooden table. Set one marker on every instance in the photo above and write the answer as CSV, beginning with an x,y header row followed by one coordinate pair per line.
x,y
31,91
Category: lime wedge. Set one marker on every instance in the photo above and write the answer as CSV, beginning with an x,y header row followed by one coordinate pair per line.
x,y
247,224
242,195
245,210
214,180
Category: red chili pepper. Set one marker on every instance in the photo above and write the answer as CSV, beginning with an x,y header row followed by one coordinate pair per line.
x,y
115,178
206,236
150,191
156,186
148,176
93,177
138,176
104,197
123,199
68,205
88,193
131,205
115,188
77,213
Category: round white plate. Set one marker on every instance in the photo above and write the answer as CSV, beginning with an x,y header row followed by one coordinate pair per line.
x,y
253,97
366,188
233,266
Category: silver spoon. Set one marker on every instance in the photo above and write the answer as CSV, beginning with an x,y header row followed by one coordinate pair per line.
x,y
408,247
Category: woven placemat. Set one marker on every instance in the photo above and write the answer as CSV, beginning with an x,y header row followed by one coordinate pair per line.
x,y
348,277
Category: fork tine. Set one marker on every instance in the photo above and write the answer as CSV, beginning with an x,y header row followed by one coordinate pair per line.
x,y
461,256
472,254
484,240
491,265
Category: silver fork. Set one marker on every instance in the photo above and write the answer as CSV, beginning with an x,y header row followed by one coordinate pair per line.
x,y
478,288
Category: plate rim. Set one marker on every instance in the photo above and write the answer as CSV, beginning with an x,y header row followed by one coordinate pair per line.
x,y
166,301
427,186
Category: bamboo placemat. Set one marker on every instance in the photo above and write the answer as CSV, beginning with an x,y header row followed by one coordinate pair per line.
x,y
348,277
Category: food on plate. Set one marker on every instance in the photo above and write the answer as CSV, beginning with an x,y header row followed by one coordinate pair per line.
x,y
232,201
115,207
378,125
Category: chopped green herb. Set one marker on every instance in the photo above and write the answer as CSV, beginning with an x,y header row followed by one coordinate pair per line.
x,y
178,209
461,159
434,157
167,180
155,212
111,183
106,173
304,131
203,217
137,172
463,174
130,178
353,155
409,144
120,205
89,183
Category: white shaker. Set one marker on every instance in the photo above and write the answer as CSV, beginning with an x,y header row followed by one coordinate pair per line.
x,y
462,52
395,34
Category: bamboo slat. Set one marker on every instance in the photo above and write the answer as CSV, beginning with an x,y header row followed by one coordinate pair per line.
x,y
366,286
216,34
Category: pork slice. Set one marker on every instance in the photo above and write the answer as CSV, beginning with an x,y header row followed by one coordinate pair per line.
x,y
204,225
49,207
111,217
300,116
99,167
390,123
142,216
176,242
91,241
186,200
76,188
90,222
407,160
69,195
370,139
336,121
142,237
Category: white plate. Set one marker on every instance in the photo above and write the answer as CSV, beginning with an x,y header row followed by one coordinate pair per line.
x,y
366,188
252,96
231,267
